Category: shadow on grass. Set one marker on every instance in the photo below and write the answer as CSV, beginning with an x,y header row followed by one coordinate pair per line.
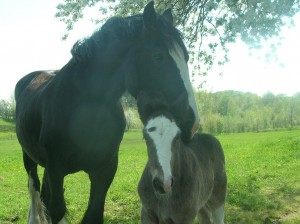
x,y
250,202
123,213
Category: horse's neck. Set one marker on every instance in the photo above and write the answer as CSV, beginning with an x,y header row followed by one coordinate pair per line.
x,y
99,77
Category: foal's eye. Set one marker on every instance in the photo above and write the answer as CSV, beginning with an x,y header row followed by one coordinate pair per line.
x,y
151,129
177,137
158,56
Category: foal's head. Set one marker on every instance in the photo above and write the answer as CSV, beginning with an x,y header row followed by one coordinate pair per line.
x,y
162,135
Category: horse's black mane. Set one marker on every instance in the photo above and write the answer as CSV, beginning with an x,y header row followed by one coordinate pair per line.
x,y
115,27
121,28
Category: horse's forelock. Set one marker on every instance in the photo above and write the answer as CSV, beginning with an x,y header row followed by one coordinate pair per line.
x,y
171,34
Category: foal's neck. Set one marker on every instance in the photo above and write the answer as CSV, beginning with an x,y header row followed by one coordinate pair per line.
x,y
185,162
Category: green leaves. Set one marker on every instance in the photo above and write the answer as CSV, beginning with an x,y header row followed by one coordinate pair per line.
x,y
212,23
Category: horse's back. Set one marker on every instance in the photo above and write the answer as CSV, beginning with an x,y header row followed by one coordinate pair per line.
x,y
32,80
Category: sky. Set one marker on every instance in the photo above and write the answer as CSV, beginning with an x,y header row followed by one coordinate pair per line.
x,y
30,38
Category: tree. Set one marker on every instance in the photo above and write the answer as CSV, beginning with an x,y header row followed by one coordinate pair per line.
x,y
130,110
7,110
233,111
208,25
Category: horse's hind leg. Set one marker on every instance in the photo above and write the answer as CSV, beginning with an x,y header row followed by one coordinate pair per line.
x,y
36,211
100,183
45,192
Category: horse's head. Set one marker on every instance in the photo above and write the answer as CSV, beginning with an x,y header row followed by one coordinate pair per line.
x,y
162,135
158,62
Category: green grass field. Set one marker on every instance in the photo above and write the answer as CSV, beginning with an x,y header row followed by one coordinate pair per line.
x,y
263,180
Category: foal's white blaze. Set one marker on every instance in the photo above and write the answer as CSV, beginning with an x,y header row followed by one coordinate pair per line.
x,y
178,56
163,136
37,209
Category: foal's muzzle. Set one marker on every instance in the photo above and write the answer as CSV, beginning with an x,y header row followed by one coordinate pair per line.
x,y
162,187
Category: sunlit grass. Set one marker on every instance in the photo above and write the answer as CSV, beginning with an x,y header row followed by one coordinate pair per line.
x,y
263,180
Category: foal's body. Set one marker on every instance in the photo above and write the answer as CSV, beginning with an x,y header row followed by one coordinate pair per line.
x,y
199,186
180,180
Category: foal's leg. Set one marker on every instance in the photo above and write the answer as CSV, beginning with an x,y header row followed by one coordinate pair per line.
x,y
148,217
218,215
36,211
100,183
205,215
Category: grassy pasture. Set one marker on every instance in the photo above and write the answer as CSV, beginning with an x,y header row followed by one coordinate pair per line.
x,y
263,180
6,127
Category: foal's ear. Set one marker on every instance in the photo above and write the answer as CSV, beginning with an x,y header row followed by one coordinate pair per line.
x,y
142,103
168,16
149,17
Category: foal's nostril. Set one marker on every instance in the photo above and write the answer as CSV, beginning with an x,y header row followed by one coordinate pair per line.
x,y
158,185
162,187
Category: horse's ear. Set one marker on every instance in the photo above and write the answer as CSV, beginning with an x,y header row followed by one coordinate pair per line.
x,y
150,17
180,106
142,102
168,16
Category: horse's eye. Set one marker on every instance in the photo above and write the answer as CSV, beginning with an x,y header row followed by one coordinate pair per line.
x,y
158,56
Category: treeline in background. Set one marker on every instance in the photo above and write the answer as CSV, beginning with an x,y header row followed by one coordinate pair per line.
x,y
220,112
235,112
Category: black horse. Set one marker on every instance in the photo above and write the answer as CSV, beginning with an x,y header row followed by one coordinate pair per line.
x,y
71,120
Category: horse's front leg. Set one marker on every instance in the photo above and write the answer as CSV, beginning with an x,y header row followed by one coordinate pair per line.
x,y
57,206
100,183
